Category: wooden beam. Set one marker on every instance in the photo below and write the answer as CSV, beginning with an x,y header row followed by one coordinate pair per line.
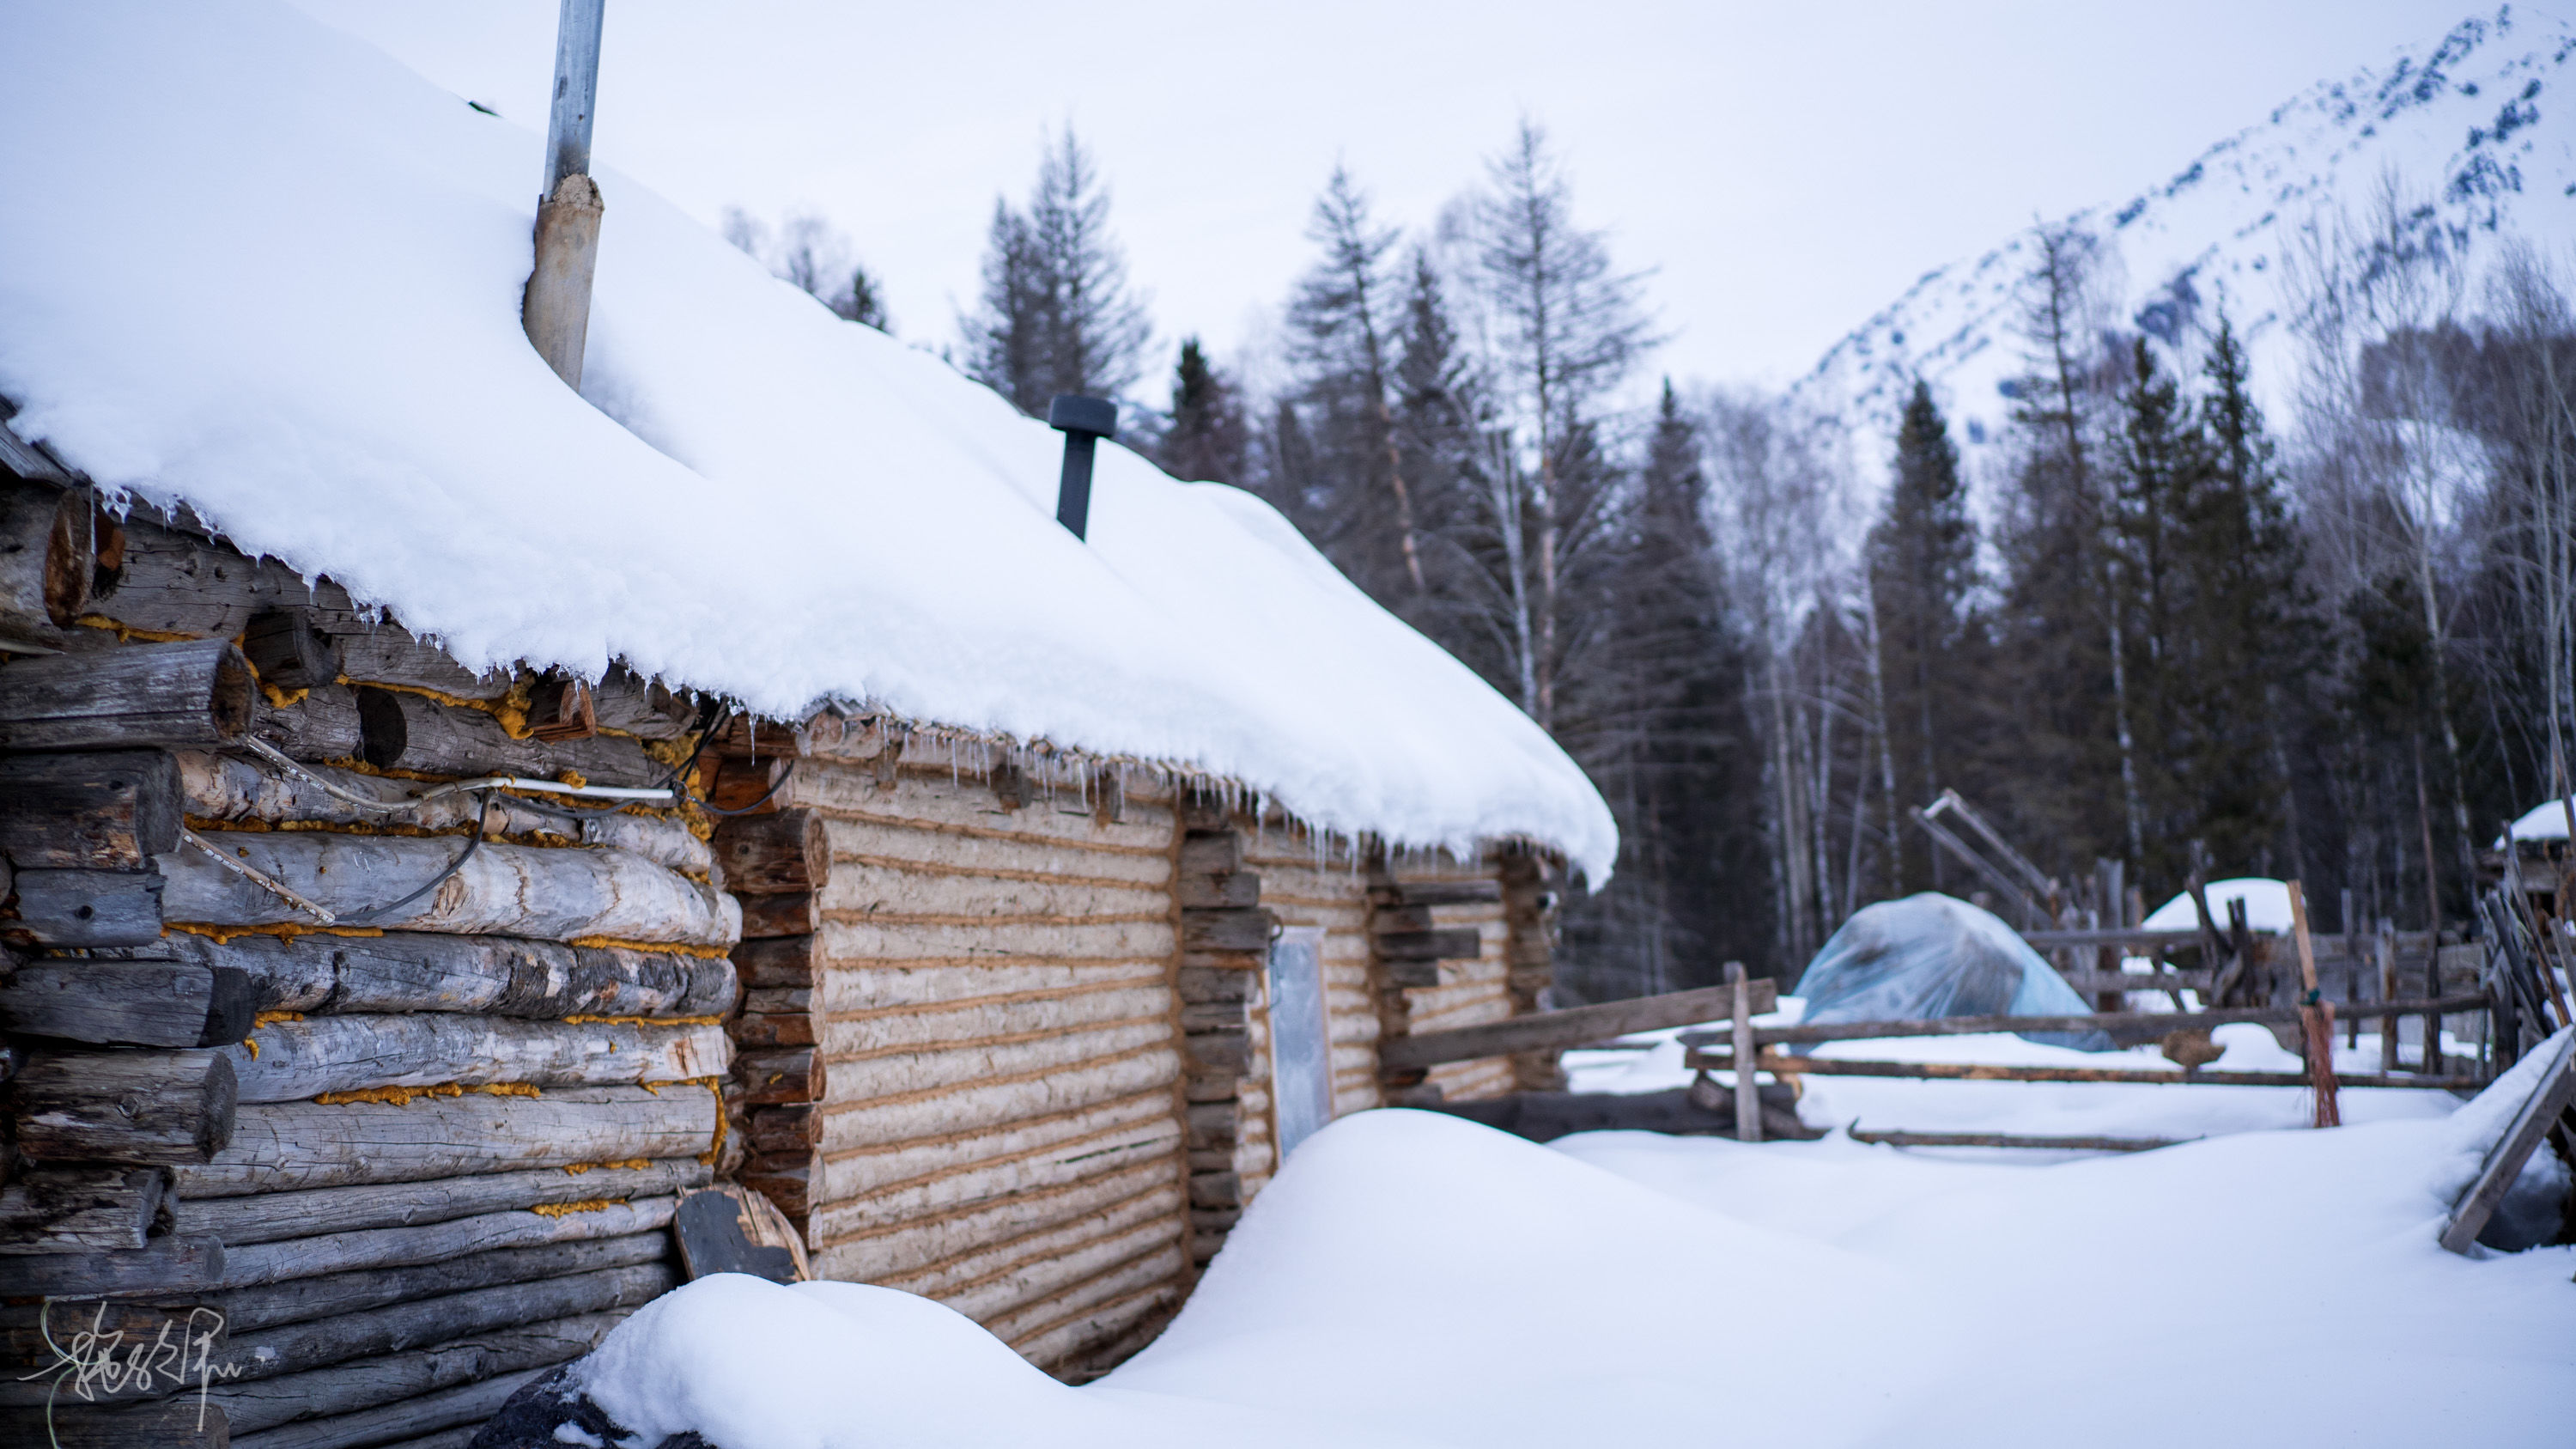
x,y
286,1146
1557,1030
1226,930
401,730
2549,1100
1461,943
300,1060
79,1209
164,1108
299,1300
374,1400
89,909
1437,892
269,1217
516,890
107,811
129,1003
766,854
166,1267
1789,1066
406,971
288,651
47,556
2146,1024
291,1258
2017,1139
195,693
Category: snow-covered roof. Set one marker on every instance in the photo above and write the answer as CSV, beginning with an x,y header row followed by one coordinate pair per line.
x,y
2544,821
251,264
2267,906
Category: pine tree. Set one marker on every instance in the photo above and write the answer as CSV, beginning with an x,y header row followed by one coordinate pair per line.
x,y
1922,572
1340,319
1208,440
1056,314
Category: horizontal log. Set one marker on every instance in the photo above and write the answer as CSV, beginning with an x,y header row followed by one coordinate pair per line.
x,y
178,1423
2017,1139
161,1268
777,962
240,788
2096,981
272,1217
67,1209
89,909
110,810
1437,892
786,913
296,1060
398,730
323,725
464,1409
1457,944
405,971
1784,1065
761,1031
128,1003
254,1354
166,1108
782,1077
1411,975
48,552
2144,1025
1226,930
287,1146
172,580
386,1382
1557,1030
251,1265
501,889
794,1128
289,652
790,1188
195,693
766,854
25,1328
301,1300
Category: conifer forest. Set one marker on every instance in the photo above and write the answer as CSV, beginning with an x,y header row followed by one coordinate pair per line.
x,y
2155,623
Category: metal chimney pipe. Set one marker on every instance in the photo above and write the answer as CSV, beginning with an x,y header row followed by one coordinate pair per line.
x,y
1083,421
556,311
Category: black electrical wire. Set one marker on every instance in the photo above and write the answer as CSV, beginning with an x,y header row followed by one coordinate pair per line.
x,y
473,843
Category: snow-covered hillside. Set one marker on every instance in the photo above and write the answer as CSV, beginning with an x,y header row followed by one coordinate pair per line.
x,y
2472,122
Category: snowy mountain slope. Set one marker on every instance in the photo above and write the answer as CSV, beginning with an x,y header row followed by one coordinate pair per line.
x,y
2472,122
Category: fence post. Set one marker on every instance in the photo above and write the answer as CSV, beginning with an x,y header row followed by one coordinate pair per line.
x,y
1748,1099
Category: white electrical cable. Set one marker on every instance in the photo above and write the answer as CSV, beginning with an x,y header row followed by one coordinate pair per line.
x,y
278,758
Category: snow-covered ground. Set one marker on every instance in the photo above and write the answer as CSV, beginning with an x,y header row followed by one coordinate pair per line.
x,y
1415,1279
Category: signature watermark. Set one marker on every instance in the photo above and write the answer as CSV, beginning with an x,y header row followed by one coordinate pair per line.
x,y
113,1357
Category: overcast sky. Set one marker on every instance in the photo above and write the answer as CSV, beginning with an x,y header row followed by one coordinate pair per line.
x,y
1787,168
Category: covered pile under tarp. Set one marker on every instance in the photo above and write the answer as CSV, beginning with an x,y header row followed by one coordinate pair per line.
x,y
1930,956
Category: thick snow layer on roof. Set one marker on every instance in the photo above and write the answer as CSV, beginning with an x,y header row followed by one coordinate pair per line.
x,y
251,264
2544,821
2267,906
1414,1279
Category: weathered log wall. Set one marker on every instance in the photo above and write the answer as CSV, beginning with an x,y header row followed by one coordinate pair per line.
x,y
443,1155
993,1118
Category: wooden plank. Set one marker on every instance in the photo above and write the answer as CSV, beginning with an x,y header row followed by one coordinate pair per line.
x,y
287,1146
1789,1066
2098,981
128,1003
193,693
161,1268
2018,1139
2316,1020
514,890
1748,1098
297,1060
78,1208
272,1217
2502,1167
709,1227
165,1108
2145,1024
1557,1030
89,909
300,1300
405,971
1438,892
111,810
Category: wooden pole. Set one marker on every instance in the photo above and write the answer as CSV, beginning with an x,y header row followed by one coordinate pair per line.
x,y
2388,992
2316,1018
1748,1103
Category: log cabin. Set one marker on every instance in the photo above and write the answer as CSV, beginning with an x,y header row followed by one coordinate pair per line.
x,y
450,816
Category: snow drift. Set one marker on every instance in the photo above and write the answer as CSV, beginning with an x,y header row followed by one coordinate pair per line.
x,y
253,266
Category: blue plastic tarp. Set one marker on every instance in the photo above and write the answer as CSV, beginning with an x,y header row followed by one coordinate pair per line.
x,y
1930,956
